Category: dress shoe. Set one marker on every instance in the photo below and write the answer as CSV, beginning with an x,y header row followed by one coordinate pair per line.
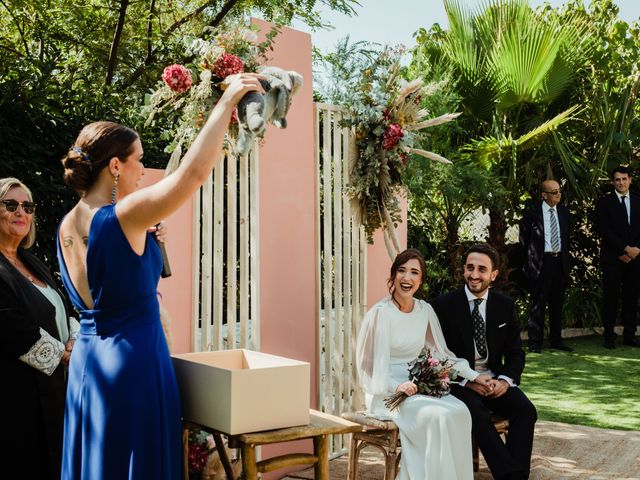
x,y
535,348
610,344
632,342
561,346
513,476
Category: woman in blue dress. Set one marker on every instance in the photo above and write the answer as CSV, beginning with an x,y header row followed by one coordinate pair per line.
x,y
122,416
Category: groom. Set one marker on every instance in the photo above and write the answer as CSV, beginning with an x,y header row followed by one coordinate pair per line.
x,y
480,325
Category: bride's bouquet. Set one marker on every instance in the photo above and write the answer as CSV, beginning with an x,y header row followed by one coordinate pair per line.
x,y
431,375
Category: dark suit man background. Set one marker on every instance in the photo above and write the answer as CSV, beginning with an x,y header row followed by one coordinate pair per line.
x,y
481,325
544,236
617,221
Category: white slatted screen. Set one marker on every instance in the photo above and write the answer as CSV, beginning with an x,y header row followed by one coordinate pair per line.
x,y
341,270
226,269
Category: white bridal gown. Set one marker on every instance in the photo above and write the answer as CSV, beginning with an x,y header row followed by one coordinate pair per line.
x,y
435,432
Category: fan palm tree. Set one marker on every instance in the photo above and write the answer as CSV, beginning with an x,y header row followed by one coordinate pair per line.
x,y
514,67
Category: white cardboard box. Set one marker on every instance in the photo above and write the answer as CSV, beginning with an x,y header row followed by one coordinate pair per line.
x,y
241,391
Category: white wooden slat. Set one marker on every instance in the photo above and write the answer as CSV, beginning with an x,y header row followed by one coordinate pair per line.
x,y
338,338
195,271
232,254
218,258
346,268
318,250
244,252
356,304
207,248
328,260
254,244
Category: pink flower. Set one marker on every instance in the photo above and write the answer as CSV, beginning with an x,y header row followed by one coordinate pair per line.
x,y
227,64
177,78
392,136
444,381
198,456
433,362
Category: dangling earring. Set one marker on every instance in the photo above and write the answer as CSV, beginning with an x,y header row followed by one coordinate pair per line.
x,y
114,190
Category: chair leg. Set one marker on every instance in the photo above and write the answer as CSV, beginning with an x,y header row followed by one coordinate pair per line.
x,y
476,455
391,457
354,453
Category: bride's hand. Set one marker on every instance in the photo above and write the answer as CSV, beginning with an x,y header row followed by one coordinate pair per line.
x,y
485,381
408,388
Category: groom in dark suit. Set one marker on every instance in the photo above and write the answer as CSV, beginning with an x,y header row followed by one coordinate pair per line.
x,y
617,220
481,325
544,236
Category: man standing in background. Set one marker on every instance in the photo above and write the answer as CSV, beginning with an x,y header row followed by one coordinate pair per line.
x,y
544,236
617,221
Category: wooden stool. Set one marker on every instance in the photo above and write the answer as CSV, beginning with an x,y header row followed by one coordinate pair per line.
x,y
321,426
381,434
502,426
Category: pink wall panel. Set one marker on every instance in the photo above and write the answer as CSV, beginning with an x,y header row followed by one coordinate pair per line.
x,y
287,225
379,262
288,233
177,289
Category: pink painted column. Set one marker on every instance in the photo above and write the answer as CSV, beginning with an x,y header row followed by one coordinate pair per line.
x,y
379,262
177,290
287,226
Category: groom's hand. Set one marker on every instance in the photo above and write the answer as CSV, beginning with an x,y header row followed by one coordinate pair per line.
x,y
500,387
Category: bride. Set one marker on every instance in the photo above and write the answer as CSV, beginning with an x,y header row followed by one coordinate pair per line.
x,y
435,432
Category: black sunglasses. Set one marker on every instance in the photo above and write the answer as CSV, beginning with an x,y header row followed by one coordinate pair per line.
x,y
12,206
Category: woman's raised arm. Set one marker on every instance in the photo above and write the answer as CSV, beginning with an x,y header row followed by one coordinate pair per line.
x,y
148,206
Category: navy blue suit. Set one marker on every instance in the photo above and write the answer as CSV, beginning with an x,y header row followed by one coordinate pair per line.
x,y
547,276
619,278
506,357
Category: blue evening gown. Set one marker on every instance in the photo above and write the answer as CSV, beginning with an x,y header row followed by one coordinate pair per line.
x,y
122,417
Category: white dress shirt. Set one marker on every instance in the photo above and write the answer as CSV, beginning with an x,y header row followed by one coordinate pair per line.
x,y
627,204
546,217
482,364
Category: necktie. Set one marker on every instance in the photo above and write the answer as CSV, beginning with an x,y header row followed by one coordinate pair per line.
x,y
555,234
479,335
624,205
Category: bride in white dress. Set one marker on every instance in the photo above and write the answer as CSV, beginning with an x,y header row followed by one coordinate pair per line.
x,y
435,433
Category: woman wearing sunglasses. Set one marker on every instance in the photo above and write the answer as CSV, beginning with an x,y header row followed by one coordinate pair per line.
x,y
36,339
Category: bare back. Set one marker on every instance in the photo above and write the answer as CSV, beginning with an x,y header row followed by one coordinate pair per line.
x,y
74,237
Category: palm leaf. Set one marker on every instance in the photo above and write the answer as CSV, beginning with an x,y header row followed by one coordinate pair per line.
x,y
490,151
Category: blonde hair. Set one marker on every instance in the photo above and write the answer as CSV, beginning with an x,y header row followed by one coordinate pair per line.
x,y
7,184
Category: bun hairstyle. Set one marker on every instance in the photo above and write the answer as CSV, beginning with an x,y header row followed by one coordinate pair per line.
x,y
96,144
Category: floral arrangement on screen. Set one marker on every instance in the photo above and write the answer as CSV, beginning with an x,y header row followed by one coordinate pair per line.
x,y
187,93
431,375
384,115
200,446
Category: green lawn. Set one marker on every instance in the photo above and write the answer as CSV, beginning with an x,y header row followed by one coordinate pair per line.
x,y
591,386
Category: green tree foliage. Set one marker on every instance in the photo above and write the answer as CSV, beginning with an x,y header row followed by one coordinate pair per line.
x,y
504,131
64,64
514,67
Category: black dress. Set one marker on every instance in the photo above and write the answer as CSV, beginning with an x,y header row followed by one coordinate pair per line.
x,y
33,402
